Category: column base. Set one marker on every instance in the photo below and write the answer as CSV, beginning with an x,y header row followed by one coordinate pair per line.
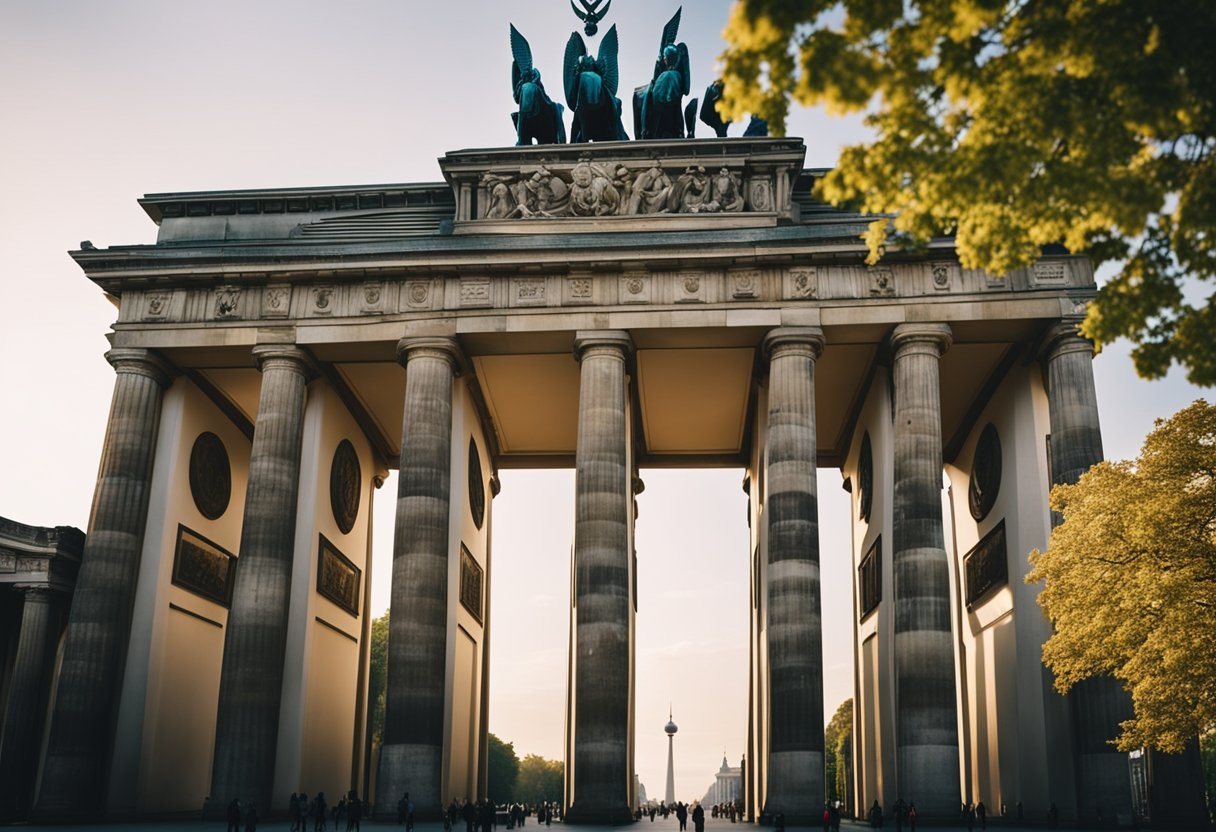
x,y
414,769
582,814
795,787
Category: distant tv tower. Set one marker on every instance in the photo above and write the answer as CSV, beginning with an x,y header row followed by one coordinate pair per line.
x,y
670,797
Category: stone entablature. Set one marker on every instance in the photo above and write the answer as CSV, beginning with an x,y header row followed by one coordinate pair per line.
x,y
407,295
36,556
658,185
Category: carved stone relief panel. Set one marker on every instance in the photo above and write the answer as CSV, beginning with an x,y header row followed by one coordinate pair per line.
x,y
689,288
475,292
227,303
578,291
985,482
745,285
276,301
760,194
942,273
210,475
528,291
802,283
370,297
418,294
635,288
881,282
156,306
345,485
1050,273
322,300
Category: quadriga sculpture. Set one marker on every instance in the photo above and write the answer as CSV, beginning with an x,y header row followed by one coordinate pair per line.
x,y
539,118
663,107
591,90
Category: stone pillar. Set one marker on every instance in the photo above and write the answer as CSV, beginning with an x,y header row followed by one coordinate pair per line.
x,y
77,764
926,732
251,681
795,629
1097,705
411,757
21,731
602,643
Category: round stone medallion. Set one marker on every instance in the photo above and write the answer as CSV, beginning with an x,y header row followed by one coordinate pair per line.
x,y
344,479
477,488
985,473
865,479
210,475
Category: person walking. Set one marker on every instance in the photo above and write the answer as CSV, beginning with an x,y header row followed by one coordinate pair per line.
x,y
912,816
319,807
698,818
234,815
354,811
251,818
981,813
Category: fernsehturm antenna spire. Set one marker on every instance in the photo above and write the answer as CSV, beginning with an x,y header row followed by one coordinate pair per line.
x,y
670,796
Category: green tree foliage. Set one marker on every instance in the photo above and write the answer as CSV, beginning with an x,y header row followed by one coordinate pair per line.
x,y
1130,581
377,677
838,751
1015,124
503,771
539,780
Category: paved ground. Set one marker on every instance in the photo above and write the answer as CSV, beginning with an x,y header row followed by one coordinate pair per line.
x,y
659,825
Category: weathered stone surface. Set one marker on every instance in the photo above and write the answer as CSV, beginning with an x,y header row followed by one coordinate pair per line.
x,y
412,755
602,643
23,714
247,722
77,760
795,627
927,710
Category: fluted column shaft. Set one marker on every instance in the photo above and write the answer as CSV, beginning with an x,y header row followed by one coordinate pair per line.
x,y
602,588
926,694
23,715
794,629
76,769
255,643
411,758
1098,705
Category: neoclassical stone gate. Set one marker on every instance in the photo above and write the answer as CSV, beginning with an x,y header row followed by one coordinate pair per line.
x,y
604,307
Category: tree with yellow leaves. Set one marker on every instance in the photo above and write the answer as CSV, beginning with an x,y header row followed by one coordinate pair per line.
x,y
1130,581
1013,125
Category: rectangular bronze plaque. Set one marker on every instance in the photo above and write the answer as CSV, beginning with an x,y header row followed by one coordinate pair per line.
x,y
869,578
338,579
470,583
203,568
987,565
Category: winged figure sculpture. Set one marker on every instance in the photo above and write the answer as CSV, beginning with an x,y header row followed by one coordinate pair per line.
x,y
591,85
539,117
663,107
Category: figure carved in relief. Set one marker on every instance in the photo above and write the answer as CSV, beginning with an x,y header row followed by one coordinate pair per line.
x,y
691,192
726,191
592,193
651,190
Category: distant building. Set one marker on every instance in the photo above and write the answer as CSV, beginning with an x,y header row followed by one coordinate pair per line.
x,y
728,784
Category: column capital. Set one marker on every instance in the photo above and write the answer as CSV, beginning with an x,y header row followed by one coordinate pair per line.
x,y
141,362
37,593
921,338
287,357
793,339
615,342
1064,337
431,346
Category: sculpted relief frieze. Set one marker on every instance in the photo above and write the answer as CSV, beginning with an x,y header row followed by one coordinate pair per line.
x,y
596,189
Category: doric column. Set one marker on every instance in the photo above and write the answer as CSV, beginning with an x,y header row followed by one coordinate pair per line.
x,y
411,758
22,727
925,690
1098,705
602,644
795,629
75,772
251,682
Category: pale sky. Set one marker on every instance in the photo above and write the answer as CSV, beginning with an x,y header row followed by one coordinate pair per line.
x,y
104,102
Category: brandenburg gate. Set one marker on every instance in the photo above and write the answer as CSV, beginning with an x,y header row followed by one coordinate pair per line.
x,y
605,307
